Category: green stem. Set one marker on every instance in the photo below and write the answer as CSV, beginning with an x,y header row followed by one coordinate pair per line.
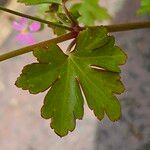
x,y
128,26
27,49
110,28
34,18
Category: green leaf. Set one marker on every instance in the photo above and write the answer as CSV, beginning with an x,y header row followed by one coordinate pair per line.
x,y
75,10
93,66
61,19
35,2
52,13
90,11
145,7
58,31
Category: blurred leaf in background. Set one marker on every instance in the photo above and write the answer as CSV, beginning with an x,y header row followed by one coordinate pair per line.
x,y
89,11
53,13
145,7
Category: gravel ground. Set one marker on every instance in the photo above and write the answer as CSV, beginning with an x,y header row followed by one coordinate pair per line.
x,y
22,127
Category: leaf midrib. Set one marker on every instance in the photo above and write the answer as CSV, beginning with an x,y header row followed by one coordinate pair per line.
x,y
87,77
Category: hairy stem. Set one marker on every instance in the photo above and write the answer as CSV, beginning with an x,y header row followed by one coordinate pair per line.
x,y
27,49
35,18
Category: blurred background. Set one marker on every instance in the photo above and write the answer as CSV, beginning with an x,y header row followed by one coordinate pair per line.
x,y
21,126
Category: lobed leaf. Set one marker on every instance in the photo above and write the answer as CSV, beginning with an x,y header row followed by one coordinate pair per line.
x,y
93,67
